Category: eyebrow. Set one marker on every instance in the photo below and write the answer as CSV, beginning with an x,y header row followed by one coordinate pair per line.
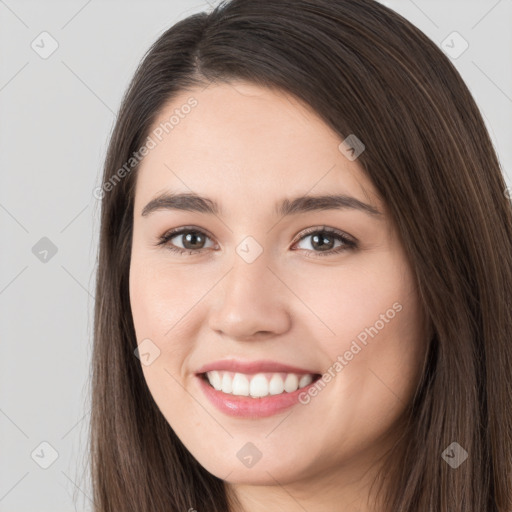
x,y
195,203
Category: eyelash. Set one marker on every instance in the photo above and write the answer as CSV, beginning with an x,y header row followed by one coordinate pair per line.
x,y
349,244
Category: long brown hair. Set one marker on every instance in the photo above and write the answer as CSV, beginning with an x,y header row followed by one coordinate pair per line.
x,y
366,71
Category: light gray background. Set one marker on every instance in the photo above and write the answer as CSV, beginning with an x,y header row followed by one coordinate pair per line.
x,y
56,117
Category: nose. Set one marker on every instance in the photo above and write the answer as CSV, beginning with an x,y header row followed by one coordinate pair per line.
x,y
251,302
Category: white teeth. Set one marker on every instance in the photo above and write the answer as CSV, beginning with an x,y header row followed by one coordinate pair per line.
x,y
305,380
291,383
276,386
215,380
240,385
227,383
258,385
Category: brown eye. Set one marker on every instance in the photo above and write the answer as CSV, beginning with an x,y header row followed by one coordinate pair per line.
x,y
323,241
192,240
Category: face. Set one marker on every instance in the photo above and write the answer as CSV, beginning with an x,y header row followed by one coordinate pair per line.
x,y
269,292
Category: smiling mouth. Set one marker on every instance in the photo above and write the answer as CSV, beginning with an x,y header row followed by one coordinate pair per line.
x,y
258,385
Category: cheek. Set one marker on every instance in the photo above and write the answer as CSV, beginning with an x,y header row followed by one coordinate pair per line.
x,y
159,306
373,362
165,305
373,322
160,296
373,293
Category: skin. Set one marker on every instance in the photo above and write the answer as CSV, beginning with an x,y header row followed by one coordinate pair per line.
x,y
248,147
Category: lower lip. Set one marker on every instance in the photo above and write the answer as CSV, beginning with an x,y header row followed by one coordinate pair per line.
x,y
248,407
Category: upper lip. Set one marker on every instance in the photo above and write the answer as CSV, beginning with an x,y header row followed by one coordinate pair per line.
x,y
250,367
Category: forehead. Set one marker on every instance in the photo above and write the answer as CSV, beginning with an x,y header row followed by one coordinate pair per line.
x,y
239,138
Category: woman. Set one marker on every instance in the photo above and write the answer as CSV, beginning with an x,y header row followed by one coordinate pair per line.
x,y
305,273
